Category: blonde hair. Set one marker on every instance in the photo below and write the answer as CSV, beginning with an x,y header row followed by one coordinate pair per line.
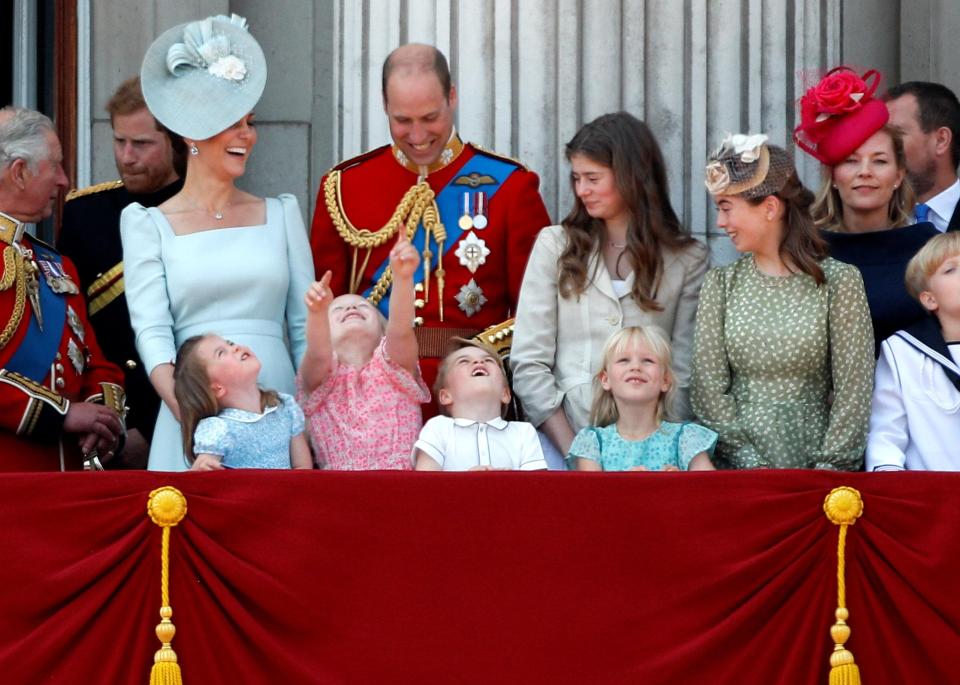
x,y
827,209
195,398
456,344
604,410
937,250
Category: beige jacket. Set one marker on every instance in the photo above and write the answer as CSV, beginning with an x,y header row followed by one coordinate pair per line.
x,y
557,342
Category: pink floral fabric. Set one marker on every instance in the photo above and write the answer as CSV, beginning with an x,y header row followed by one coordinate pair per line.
x,y
365,418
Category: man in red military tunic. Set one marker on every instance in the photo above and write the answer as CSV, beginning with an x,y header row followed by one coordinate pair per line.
x,y
60,400
474,215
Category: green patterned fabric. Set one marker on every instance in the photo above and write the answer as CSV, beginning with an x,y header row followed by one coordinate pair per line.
x,y
782,368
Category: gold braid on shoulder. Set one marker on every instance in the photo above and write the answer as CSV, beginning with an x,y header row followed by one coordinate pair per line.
x,y
417,204
13,272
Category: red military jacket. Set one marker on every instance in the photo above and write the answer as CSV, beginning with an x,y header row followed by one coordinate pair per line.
x,y
33,409
371,187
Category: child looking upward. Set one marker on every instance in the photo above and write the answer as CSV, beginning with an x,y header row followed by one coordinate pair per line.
x,y
359,380
472,392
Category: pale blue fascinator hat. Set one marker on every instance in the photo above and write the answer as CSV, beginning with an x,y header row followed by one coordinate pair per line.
x,y
200,78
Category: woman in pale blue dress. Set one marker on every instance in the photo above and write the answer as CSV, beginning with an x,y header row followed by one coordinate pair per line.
x,y
212,258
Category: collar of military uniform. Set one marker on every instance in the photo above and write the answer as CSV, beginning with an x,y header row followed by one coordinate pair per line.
x,y
11,230
450,152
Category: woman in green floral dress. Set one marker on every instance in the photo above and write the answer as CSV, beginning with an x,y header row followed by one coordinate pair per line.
x,y
783,348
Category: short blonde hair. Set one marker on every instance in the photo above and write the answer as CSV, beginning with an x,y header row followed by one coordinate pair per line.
x,y
604,410
455,345
938,249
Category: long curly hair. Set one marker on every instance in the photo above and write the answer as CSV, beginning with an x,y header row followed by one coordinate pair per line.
x,y
827,208
624,144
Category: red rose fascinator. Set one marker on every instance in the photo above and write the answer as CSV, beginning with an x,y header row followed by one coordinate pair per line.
x,y
839,113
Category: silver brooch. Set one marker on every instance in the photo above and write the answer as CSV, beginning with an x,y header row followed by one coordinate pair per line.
x,y
77,357
75,324
472,252
471,298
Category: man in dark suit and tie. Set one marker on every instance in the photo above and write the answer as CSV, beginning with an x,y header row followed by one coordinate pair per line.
x,y
929,116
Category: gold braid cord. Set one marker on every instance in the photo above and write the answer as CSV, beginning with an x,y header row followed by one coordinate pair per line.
x,y
13,272
166,507
418,204
843,506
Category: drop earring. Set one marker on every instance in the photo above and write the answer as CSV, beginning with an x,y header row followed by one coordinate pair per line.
x,y
194,150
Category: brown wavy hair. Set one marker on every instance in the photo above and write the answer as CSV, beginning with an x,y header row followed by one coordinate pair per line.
x,y
624,144
195,397
828,207
802,246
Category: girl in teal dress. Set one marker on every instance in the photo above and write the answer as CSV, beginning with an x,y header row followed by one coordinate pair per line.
x,y
632,393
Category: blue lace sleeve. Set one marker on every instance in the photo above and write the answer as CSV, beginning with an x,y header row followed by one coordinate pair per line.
x,y
586,445
293,410
694,439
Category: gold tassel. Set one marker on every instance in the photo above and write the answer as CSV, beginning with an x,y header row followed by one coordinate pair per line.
x,y
166,507
843,506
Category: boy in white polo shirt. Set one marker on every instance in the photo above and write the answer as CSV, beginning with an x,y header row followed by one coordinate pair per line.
x,y
472,391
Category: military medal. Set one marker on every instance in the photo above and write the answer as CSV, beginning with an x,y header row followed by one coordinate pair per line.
x,y
480,215
472,252
465,222
75,324
471,298
33,286
58,279
77,357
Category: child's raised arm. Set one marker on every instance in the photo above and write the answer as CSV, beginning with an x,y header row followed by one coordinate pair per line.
x,y
318,359
401,342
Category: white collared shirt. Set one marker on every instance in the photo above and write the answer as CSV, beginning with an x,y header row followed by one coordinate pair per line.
x,y
459,444
942,206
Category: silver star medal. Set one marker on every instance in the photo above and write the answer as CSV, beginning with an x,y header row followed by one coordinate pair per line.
x,y
77,358
472,252
75,324
471,298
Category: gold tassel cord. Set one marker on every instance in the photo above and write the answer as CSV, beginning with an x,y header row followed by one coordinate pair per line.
x,y
166,507
843,506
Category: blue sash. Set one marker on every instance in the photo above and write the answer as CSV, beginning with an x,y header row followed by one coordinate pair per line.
x,y
37,350
450,206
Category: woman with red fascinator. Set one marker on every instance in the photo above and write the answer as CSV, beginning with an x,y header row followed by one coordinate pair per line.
x,y
864,207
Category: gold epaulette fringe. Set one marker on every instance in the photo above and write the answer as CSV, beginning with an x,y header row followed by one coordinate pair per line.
x,y
90,190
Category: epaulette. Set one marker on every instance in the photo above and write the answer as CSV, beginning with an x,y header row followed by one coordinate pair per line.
x,y
90,190
497,155
499,337
353,161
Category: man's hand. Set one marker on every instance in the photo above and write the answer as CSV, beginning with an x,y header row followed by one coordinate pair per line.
x,y
99,427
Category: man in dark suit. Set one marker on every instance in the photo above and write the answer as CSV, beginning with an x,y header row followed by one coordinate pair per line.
x,y
150,161
929,116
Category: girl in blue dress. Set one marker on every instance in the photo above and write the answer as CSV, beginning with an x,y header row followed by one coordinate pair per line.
x,y
633,393
227,420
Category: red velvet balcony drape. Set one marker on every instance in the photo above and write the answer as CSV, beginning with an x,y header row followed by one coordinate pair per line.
x,y
287,577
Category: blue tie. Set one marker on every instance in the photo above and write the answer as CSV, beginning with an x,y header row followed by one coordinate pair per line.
x,y
920,212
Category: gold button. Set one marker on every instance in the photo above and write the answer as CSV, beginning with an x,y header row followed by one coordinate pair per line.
x,y
418,288
60,382
130,364
58,367
418,321
418,303
100,275
59,357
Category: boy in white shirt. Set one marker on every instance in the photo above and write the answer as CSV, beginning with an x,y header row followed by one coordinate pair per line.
x,y
915,418
471,389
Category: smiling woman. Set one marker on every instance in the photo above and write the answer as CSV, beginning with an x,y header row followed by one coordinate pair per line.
x,y
212,257
865,204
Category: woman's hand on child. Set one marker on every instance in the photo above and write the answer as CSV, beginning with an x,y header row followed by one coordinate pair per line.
x,y
404,258
207,462
319,296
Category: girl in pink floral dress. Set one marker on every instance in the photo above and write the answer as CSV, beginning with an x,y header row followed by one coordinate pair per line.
x,y
359,382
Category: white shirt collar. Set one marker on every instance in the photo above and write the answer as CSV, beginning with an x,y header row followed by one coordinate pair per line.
x,y
244,416
942,206
497,423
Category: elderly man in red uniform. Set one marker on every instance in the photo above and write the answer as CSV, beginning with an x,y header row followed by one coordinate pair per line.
x,y
60,400
472,214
